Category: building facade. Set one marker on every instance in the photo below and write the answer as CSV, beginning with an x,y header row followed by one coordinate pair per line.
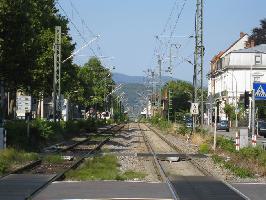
x,y
233,72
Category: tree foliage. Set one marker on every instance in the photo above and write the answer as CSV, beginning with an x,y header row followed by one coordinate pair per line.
x,y
259,33
27,32
182,95
229,110
26,45
94,83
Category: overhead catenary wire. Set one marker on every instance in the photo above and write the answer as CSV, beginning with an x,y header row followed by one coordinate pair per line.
x,y
76,28
174,26
87,27
162,48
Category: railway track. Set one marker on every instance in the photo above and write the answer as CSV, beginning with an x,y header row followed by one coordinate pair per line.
x,y
189,187
73,155
158,167
60,175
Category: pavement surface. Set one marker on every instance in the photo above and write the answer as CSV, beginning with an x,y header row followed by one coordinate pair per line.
x,y
104,190
20,186
254,191
203,188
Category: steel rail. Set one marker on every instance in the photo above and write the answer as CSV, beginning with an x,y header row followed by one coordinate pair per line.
x,y
195,164
158,166
61,175
173,146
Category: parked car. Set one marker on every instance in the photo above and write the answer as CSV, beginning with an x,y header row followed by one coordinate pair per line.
x,y
223,125
262,128
189,123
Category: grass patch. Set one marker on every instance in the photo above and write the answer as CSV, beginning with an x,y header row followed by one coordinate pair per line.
x,y
129,175
101,168
11,157
99,137
53,159
238,171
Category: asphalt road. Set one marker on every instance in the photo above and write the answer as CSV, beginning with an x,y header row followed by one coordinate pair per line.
x,y
105,190
254,191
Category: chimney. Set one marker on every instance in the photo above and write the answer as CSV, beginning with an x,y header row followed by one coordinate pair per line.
x,y
247,44
252,43
242,34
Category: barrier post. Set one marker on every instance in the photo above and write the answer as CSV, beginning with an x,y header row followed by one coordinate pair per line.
x,y
237,141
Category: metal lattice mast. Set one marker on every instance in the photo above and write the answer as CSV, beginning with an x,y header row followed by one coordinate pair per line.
x,y
160,83
198,59
57,74
170,104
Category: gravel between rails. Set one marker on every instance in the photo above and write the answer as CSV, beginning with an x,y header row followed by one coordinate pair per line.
x,y
207,163
181,168
126,144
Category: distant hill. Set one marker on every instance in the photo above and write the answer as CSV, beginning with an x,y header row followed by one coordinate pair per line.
x,y
122,78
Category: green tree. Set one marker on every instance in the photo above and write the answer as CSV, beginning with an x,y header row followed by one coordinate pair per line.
x,y
182,95
94,84
229,111
259,33
26,47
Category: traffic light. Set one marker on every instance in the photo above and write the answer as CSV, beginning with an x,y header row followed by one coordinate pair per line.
x,y
246,101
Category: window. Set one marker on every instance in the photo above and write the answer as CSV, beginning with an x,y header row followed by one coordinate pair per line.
x,y
257,59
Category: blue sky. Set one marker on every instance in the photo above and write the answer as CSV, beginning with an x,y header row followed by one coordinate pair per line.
x,y
127,30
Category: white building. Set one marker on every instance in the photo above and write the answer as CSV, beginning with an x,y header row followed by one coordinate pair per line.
x,y
234,70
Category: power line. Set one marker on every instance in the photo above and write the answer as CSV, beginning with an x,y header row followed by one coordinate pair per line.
x,y
87,27
175,25
170,16
75,27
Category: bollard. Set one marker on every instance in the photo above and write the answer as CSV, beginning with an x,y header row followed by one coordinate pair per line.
x,y
237,141
254,140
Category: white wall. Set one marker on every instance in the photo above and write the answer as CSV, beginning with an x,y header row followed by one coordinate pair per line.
x,y
241,44
245,59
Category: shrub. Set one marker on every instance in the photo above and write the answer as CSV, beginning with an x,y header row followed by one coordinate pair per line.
x,y
43,128
226,144
44,132
4,165
204,148
250,152
201,130
217,159
183,130
238,171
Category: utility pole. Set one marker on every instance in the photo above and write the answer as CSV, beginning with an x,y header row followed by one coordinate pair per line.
x,y
160,83
198,61
57,74
170,61
170,104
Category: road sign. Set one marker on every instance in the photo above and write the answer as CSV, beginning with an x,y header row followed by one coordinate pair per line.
x,y
23,105
194,110
260,91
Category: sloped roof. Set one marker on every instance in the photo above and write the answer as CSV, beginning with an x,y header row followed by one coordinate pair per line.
x,y
257,49
221,53
217,57
234,43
